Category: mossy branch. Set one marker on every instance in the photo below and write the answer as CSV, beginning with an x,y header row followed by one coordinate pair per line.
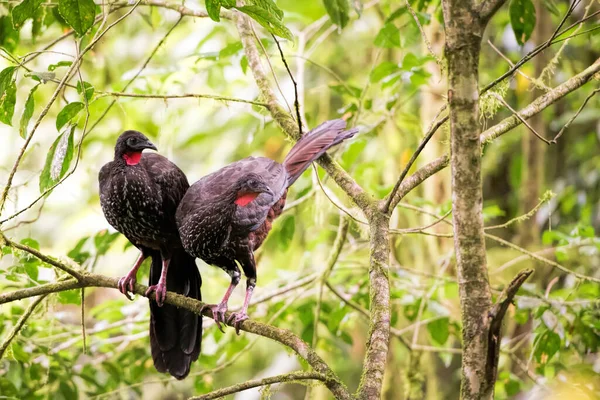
x,y
291,377
87,279
504,126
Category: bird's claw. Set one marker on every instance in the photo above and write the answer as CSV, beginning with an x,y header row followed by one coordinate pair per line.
x,y
126,285
161,292
236,318
218,312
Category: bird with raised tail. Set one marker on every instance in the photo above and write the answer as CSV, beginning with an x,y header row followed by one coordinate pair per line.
x,y
139,194
225,216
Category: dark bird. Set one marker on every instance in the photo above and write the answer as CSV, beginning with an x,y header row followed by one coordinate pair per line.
x,y
226,216
139,194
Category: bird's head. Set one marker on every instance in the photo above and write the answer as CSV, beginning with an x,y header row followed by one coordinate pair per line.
x,y
248,187
130,145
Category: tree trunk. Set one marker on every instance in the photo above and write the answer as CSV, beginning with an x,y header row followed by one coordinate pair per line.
x,y
464,29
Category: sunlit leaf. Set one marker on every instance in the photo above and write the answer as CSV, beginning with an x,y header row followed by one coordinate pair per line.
x,y
388,37
58,160
68,113
27,112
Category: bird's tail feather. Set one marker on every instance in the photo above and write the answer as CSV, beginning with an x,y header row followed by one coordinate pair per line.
x,y
313,145
175,333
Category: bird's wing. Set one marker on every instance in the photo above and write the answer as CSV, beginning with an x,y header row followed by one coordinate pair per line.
x,y
170,180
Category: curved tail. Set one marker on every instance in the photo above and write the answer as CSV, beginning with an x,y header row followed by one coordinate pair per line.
x,y
313,145
175,333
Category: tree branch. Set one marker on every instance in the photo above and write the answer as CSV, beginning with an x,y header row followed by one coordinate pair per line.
x,y
19,325
497,315
291,378
87,279
537,106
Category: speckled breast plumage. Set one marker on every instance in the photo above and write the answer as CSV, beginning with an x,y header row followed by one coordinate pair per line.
x,y
132,205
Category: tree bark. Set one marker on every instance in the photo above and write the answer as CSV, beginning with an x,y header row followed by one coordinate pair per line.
x,y
464,30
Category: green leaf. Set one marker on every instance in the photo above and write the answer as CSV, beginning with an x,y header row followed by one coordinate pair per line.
x,y
67,114
70,297
271,7
27,113
388,37
213,8
6,77
7,104
79,14
268,21
382,70
439,331
9,37
24,11
286,232
59,64
244,64
103,240
89,90
338,11
522,19
548,344
58,160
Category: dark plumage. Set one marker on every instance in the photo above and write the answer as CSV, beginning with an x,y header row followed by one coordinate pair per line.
x,y
226,216
139,194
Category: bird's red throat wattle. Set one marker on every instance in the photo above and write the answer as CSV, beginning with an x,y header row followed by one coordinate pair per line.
x,y
244,198
132,158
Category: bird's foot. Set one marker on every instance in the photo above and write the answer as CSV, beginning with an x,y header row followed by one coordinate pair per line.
x,y
161,292
236,318
127,284
218,312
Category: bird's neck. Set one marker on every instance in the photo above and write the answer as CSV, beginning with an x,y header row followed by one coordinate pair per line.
x,y
129,157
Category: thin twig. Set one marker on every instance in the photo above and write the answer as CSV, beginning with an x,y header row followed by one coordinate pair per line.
x,y
435,125
296,103
516,114
570,121
291,377
15,331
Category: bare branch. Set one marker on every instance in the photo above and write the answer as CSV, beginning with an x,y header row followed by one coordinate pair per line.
x,y
15,331
296,103
290,378
432,129
516,114
488,8
497,315
570,121
539,104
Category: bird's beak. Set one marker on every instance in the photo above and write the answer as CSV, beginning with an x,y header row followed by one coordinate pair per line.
x,y
147,145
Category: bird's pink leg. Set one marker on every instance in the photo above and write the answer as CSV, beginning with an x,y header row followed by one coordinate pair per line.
x,y
238,317
127,282
219,310
161,287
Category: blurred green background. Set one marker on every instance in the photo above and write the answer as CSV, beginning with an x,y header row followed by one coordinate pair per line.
x,y
379,74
